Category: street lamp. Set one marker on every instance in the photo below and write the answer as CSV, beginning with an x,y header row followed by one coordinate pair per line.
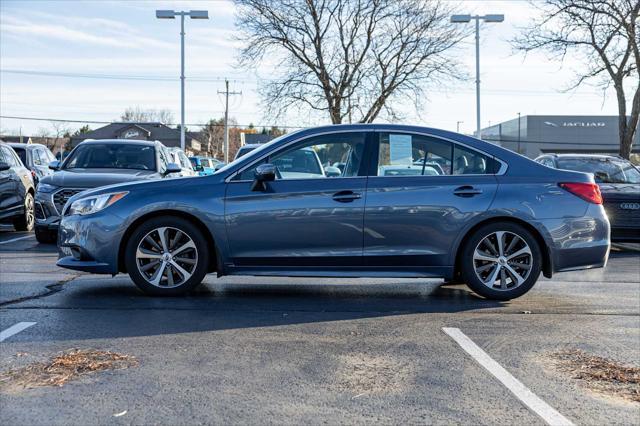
x,y
171,14
463,19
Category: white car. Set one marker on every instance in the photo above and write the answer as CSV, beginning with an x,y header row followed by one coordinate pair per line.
x,y
180,158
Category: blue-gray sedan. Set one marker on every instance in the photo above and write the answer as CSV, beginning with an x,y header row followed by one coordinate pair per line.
x,y
370,200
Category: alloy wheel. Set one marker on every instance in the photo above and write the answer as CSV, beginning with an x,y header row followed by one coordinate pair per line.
x,y
30,217
502,260
166,257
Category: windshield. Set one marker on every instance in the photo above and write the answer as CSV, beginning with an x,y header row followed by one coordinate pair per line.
x,y
112,156
605,170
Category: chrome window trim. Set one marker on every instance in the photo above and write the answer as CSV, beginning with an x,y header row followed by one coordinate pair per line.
x,y
501,171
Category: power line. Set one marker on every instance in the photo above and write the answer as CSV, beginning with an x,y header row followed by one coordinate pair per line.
x,y
258,80
60,120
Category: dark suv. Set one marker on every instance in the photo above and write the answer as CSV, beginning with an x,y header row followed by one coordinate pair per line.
x,y
36,157
16,190
619,182
93,164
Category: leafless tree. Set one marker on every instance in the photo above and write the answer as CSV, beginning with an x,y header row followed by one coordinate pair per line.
x,y
353,59
137,114
604,34
213,133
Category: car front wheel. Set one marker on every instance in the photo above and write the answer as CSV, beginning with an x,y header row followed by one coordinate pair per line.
x,y
28,218
501,261
167,256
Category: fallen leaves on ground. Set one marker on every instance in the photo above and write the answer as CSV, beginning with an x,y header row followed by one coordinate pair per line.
x,y
64,367
600,374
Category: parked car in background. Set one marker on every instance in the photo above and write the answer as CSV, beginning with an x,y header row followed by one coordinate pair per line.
x,y
36,158
180,158
204,165
497,230
619,182
92,164
245,149
16,190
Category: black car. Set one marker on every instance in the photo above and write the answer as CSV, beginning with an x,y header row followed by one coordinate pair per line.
x,y
36,157
619,182
92,164
16,190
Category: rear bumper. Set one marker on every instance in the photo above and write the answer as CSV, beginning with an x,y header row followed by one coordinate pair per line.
x,y
580,243
625,234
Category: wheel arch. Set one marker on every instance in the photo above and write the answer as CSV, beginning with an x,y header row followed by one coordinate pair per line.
x,y
211,242
547,265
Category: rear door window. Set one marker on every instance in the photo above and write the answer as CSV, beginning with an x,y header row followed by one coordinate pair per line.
x,y
413,155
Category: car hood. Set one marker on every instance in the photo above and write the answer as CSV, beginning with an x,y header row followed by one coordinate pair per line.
x,y
92,178
620,191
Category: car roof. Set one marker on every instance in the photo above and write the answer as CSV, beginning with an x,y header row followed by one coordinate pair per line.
x,y
25,145
119,141
579,155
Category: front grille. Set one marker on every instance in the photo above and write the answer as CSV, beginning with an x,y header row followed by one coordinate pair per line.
x,y
622,217
61,197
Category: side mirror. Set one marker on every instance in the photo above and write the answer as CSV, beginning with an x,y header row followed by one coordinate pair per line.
x,y
331,171
173,168
264,173
54,165
4,166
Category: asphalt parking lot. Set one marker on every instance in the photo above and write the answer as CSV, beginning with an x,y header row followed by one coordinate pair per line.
x,y
272,350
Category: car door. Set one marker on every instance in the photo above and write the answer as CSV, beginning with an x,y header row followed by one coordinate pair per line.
x,y
304,218
422,191
10,199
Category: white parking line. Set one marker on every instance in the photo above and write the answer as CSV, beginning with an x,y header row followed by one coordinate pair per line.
x,y
531,400
15,329
16,239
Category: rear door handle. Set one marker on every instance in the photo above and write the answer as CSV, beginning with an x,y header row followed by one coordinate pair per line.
x,y
346,196
467,191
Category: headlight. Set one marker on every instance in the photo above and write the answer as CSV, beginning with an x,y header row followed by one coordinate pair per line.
x,y
95,203
46,188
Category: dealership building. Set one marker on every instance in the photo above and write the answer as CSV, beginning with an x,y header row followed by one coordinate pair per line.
x,y
532,135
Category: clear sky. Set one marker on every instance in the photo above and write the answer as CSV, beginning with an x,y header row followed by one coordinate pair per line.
x,y
123,38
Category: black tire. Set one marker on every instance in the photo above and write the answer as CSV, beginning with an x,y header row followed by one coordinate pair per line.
x,y
27,220
468,265
201,256
45,236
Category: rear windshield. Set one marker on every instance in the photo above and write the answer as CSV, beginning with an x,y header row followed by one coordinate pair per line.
x,y
604,170
22,153
112,156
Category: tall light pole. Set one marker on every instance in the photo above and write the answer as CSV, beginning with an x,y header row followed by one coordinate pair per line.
x,y
458,123
171,14
460,19
519,133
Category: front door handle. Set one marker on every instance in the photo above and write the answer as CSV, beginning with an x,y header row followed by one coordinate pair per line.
x,y
346,196
467,191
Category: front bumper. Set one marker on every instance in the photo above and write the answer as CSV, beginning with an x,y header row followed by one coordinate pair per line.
x,y
47,216
90,243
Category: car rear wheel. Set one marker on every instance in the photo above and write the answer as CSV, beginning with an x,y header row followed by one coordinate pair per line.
x,y
167,256
28,218
501,261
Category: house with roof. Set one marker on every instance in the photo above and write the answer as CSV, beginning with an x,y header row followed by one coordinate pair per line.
x,y
169,136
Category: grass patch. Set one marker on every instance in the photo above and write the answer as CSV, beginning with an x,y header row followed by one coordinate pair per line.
x,y
64,367
599,374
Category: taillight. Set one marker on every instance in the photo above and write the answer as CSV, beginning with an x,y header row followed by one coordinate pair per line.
x,y
587,191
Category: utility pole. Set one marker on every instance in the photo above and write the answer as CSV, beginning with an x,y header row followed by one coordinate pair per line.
x,y
458,123
518,133
226,93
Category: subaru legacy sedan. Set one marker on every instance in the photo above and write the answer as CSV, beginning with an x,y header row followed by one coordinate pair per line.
x,y
490,217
